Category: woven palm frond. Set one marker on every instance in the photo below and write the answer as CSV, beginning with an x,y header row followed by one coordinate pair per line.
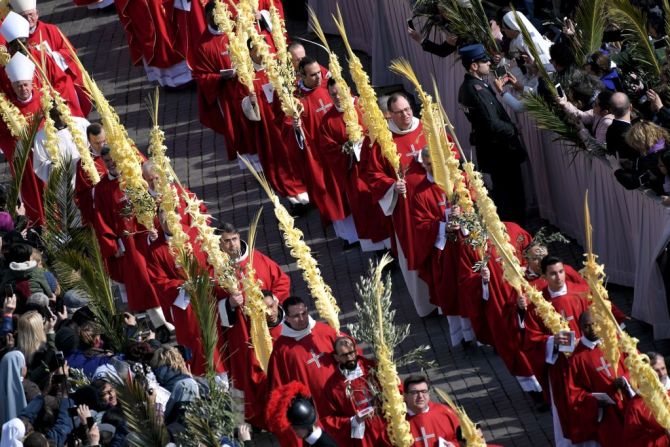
x,y
468,428
633,23
468,23
145,424
590,22
21,155
549,118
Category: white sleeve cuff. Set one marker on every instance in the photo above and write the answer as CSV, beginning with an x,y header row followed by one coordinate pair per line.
x,y
251,111
485,290
122,247
441,240
550,356
389,200
357,428
223,313
357,150
522,325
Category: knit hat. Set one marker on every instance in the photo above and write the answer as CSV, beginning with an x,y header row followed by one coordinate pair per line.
x,y
6,222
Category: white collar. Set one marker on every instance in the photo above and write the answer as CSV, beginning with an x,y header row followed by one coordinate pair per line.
x,y
666,383
152,193
531,274
111,177
563,291
287,331
245,252
430,178
257,67
30,98
303,87
590,344
396,130
352,375
314,436
216,32
411,413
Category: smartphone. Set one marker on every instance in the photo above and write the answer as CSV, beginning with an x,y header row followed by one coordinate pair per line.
x,y
500,71
559,91
90,422
72,411
9,291
410,23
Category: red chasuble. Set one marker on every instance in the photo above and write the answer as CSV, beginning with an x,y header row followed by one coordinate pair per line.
x,y
305,356
573,381
31,186
439,422
113,222
344,398
167,280
348,171
641,428
535,336
322,186
215,94
60,47
265,138
437,266
380,176
245,371
83,189
150,31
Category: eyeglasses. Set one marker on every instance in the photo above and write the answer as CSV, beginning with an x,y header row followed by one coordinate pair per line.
x,y
405,110
417,392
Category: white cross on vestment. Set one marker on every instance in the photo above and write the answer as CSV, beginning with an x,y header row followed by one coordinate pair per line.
x,y
324,107
605,367
315,358
413,151
424,437
565,316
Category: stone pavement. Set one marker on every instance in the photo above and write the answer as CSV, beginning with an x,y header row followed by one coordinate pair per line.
x,y
476,378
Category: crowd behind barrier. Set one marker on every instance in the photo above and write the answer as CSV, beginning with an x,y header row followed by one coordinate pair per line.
x,y
631,228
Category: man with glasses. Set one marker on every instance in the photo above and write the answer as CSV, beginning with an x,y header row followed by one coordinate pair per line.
x,y
432,424
499,149
394,191
353,415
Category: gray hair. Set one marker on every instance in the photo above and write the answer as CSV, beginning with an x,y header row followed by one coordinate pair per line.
x,y
38,298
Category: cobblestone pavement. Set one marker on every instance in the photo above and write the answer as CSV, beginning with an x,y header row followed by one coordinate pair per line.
x,y
476,378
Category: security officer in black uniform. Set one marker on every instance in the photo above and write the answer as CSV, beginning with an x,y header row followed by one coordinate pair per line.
x,y
496,139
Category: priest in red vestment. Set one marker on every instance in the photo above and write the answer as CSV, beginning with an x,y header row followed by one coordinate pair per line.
x,y
302,353
119,236
56,45
322,186
263,136
83,188
24,95
432,424
589,393
344,159
168,281
353,410
640,428
15,29
394,194
248,380
153,40
437,246
215,79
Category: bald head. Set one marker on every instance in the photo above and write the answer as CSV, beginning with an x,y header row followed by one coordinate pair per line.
x,y
297,52
620,106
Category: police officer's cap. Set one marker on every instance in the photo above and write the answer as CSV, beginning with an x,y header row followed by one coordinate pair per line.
x,y
473,53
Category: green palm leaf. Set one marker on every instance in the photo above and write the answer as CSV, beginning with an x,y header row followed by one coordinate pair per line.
x,y
548,117
469,24
145,424
20,160
633,23
590,22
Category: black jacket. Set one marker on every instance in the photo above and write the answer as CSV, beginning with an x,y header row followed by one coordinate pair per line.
x,y
616,141
493,133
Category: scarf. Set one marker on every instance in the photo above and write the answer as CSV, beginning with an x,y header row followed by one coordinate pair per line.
x,y
12,398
